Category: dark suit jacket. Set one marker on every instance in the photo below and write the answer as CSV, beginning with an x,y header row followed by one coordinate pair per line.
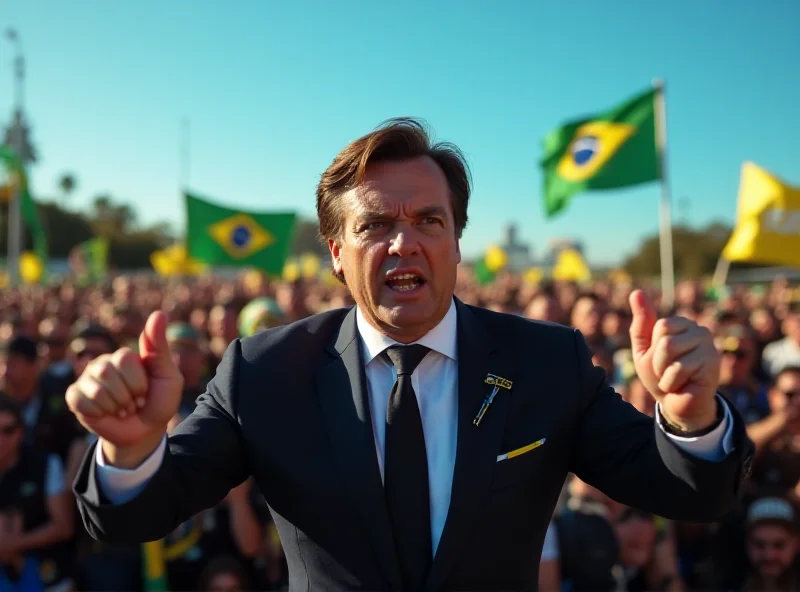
x,y
290,406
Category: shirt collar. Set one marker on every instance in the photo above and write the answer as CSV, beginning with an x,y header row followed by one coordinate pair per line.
x,y
441,339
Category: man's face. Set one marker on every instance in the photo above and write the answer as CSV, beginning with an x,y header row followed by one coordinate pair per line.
x,y
543,308
586,317
785,395
636,533
398,249
222,323
188,357
771,549
738,359
21,374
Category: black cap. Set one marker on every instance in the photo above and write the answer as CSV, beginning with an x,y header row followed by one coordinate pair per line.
x,y
22,346
95,331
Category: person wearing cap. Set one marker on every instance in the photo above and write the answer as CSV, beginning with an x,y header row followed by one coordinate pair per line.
x,y
737,381
259,314
772,545
777,465
90,341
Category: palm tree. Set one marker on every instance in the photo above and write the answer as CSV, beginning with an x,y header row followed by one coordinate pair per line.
x,y
67,184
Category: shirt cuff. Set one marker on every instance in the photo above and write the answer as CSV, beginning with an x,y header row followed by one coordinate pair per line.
x,y
122,485
713,446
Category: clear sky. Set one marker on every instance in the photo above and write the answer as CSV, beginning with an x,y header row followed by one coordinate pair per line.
x,y
273,89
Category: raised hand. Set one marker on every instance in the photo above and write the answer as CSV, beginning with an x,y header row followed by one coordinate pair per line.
x,y
126,398
677,362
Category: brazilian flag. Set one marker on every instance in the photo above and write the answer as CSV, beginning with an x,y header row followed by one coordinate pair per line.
x,y
229,237
609,150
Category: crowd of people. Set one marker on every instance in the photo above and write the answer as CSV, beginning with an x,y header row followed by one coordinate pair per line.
x,y
50,333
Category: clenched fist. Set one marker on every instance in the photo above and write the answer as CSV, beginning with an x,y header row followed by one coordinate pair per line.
x,y
128,399
677,362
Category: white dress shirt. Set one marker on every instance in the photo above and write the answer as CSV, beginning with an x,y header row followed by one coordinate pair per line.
x,y
435,383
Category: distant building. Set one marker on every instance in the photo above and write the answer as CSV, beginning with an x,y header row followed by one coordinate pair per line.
x,y
519,254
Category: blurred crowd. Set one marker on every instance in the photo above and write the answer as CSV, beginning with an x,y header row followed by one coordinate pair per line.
x,y
50,333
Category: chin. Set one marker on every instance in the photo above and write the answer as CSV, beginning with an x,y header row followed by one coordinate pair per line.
x,y
406,314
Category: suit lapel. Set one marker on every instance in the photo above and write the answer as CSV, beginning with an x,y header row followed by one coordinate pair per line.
x,y
478,446
344,397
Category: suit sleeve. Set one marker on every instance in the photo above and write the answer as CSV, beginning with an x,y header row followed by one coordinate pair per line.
x,y
624,454
205,457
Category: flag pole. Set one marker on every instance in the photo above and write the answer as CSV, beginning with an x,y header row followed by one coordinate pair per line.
x,y
667,259
721,272
18,144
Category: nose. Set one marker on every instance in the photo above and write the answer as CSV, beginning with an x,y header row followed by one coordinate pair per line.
x,y
404,243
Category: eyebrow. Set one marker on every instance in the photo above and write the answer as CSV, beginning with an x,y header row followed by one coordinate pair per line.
x,y
420,213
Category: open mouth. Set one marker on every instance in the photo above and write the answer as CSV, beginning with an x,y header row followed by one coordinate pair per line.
x,y
405,282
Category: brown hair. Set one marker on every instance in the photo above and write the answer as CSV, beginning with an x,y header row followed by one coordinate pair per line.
x,y
394,140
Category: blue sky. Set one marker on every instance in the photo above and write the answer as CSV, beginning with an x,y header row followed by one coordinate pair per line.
x,y
273,90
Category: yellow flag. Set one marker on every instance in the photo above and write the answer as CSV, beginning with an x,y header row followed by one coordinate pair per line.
x,y
31,268
495,258
767,220
570,267
174,261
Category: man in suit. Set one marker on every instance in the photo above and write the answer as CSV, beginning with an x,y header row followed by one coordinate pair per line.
x,y
372,432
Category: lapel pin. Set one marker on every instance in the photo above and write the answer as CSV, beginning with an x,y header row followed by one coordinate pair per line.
x,y
497,383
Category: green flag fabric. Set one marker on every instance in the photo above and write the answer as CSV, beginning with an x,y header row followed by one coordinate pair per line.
x,y
222,236
483,274
89,260
28,211
609,150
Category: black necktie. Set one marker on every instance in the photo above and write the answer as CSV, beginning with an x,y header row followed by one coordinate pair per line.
x,y
406,470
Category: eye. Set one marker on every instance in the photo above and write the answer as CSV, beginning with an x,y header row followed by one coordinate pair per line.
x,y
373,225
431,220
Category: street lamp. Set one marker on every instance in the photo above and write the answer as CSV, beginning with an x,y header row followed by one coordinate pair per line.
x,y
17,140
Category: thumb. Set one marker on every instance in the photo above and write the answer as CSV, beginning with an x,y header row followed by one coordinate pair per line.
x,y
643,322
154,349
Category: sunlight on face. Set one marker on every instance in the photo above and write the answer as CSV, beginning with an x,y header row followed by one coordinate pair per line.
x,y
398,251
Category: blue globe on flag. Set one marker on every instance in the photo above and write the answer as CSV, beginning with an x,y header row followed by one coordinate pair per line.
x,y
241,236
584,149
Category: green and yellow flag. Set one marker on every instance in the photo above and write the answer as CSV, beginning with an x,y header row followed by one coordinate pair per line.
x,y
217,235
605,151
154,567
493,262
18,185
89,260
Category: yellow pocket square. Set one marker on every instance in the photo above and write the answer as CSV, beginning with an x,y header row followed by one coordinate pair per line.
x,y
522,450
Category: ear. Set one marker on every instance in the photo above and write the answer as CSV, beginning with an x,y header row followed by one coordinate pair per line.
x,y
458,251
336,255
